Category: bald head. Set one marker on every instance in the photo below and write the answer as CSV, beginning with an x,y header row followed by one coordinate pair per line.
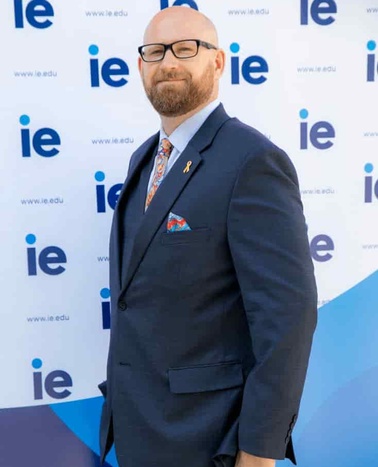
x,y
179,22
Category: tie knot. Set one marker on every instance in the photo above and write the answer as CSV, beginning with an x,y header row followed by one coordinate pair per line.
x,y
166,147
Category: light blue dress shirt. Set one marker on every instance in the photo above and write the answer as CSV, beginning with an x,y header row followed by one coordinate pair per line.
x,y
183,134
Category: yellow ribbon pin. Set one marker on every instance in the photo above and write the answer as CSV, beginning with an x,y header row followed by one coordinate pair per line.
x,y
186,170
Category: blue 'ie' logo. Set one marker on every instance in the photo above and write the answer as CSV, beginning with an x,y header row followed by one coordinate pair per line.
x,y
320,247
51,255
34,9
319,134
102,198
318,11
165,4
40,141
55,384
105,308
252,68
111,68
372,67
371,185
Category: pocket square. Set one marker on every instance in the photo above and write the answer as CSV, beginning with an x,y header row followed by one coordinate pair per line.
x,y
176,223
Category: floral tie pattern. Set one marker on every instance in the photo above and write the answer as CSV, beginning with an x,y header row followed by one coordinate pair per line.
x,y
161,159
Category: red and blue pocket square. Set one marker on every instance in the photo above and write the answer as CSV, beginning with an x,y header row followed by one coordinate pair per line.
x,y
176,223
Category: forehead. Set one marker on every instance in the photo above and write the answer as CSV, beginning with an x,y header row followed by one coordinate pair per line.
x,y
172,29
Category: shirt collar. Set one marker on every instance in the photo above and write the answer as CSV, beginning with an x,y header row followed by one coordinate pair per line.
x,y
185,132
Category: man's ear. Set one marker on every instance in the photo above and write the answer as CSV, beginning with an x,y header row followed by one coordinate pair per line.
x,y
220,61
140,65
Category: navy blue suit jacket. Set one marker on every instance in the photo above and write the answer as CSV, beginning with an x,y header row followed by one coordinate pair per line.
x,y
211,327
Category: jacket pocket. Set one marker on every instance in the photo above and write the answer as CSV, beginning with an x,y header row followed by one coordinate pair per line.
x,y
203,378
185,236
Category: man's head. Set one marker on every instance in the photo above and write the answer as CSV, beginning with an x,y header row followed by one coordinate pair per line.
x,y
177,86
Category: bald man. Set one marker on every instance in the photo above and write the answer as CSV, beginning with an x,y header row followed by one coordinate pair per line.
x,y
212,284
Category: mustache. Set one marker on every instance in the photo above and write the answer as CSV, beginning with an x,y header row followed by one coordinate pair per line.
x,y
170,75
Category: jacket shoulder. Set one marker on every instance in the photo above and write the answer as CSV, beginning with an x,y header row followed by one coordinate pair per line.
x,y
248,136
250,148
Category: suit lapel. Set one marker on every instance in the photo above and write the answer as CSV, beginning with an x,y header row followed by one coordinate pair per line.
x,y
142,154
174,182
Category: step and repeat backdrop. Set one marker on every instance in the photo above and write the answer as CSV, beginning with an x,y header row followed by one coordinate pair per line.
x,y
305,73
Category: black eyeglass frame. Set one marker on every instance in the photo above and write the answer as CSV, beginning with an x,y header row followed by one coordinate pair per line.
x,y
207,45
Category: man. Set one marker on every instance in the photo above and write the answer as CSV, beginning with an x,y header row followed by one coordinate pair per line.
x,y
212,285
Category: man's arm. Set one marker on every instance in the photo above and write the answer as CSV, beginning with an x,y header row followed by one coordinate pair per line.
x,y
269,246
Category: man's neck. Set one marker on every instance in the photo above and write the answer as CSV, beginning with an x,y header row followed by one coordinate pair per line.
x,y
170,124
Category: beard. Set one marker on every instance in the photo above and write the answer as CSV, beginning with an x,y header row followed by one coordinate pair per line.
x,y
173,100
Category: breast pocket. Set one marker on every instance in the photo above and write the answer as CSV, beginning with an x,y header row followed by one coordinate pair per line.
x,y
186,236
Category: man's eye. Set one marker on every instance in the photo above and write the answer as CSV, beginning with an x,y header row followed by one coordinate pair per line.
x,y
184,50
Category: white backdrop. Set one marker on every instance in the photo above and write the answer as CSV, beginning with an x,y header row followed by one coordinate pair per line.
x,y
304,72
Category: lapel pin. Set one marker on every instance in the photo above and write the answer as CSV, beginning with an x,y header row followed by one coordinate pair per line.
x,y
188,164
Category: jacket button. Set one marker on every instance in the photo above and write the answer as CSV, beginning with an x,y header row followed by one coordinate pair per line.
x,y
122,305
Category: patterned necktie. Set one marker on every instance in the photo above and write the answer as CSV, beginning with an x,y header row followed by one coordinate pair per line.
x,y
161,162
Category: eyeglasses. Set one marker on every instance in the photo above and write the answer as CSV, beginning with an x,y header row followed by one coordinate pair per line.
x,y
180,49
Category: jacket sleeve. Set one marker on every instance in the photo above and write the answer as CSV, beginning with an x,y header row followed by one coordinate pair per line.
x,y
269,246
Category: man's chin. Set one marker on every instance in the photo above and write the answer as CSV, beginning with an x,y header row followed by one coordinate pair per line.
x,y
169,104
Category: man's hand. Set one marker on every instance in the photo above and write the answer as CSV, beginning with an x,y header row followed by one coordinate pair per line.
x,y
244,459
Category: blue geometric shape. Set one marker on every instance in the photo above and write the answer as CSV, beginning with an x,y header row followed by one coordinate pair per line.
x,y
83,418
339,410
371,45
235,47
93,49
100,176
37,363
345,345
36,437
24,119
30,239
105,293
369,168
343,432
303,113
